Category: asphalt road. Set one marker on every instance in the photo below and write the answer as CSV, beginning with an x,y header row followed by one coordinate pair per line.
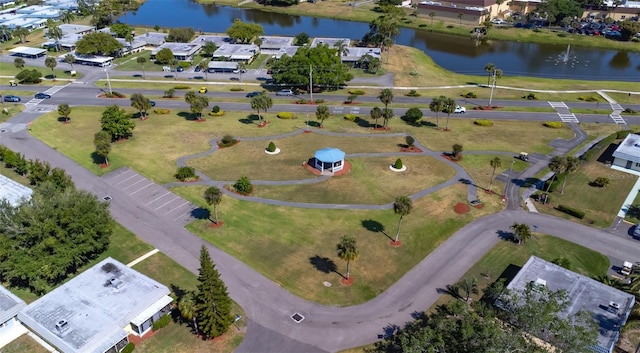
x,y
269,307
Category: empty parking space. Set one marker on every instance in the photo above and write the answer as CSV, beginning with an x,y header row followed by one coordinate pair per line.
x,y
157,198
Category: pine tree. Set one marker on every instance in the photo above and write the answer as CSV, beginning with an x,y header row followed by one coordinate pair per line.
x,y
212,302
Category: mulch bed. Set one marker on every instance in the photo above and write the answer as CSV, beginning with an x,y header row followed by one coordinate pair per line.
x,y
449,158
484,107
121,140
306,102
114,97
104,165
461,208
479,206
350,103
347,282
230,189
395,244
381,128
264,123
411,149
201,120
216,225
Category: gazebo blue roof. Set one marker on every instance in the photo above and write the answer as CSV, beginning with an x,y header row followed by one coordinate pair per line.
x,y
329,155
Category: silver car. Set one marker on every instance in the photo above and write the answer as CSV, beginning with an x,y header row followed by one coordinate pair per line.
x,y
285,92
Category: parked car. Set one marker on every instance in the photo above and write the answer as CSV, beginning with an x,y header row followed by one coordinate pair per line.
x,y
42,95
460,110
11,98
153,104
636,231
285,92
498,21
253,94
239,71
180,69
197,69
627,268
203,90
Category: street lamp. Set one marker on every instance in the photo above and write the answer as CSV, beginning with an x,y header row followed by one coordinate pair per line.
x,y
108,81
506,184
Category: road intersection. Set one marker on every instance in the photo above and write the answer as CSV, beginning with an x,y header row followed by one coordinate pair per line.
x,y
269,308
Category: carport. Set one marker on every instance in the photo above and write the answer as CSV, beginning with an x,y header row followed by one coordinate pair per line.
x,y
27,52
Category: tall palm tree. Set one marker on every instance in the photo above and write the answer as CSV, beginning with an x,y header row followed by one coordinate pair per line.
x,y
432,15
341,48
556,165
213,197
204,67
386,97
494,163
448,106
403,207
436,106
376,113
142,61
188,310
489,69
460,16
256,104
348,251
521,232
571,164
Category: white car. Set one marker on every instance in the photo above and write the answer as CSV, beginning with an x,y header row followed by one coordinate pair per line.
x,y
460,110
498,21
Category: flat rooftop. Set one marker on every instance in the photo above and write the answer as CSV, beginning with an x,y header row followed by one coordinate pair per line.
x,y
179,49
88,313
13,191
219,40
289,51
10,305
273,42
331,42
237,50
584,293
629,148
27,51
68,28
33,8
152,38
355,53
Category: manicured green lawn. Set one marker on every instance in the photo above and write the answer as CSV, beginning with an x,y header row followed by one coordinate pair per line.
x,y
370,182
479,169
295,247
24,344
9,69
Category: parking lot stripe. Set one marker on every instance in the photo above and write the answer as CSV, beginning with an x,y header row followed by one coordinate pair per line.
x,y
133,176
144,187
139,181
186,202
188,214
168,202
159,197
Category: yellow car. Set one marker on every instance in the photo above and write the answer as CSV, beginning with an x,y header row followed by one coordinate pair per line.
x,y
203,90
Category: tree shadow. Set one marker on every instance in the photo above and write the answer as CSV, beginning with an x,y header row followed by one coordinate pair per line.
x,y
96,159
634,211
250,119
375,227
313,123
201,213
528,182
410,122
451,289
607,155
62,119
188,116
389,331
505,235
363,123
418,315
179,293
427,124
469,182
323,264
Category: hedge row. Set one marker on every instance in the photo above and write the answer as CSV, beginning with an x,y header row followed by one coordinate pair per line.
x,y
357,92
161,111
285,115
570,211
181,87
161,323
483,122
553,124
351,117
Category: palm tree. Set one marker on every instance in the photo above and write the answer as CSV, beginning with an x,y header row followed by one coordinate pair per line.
x,y
521,232
241,69
386,97
468,286
556,165
213,196
188,309
376,113
348,251
448,106
460,16
494,163
490,67
403,207
21,33
51,63
436,106
142,61
322,112
204,67
69,59
612,282
571,164
432,15
341,48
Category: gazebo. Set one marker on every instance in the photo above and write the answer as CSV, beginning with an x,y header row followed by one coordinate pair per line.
x,y
329,159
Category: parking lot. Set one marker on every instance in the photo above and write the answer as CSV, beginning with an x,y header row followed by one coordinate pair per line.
x,y
157,198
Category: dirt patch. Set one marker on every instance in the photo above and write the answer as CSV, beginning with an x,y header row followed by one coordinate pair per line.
x,y
461,208
112,97
104,165
381,128
216,225
395,244
201,120
264,123
347,282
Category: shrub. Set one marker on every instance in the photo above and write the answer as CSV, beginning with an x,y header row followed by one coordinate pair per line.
x,y
301,101
227,140
181,87
588,98
357,92
185,173
161,323
483,122
219,113
162,111
470,95
570,211
243,186
422,25
271,147
530,97
236,89
128,348
409,140
449,26
629,111
600,182
553,124
285,115
622,134
413,115
351,117
562,34
398,164
169,93
319,101
412,93
114,94
215,109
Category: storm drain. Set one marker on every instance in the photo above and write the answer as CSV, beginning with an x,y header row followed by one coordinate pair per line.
x,y
297,318
107,198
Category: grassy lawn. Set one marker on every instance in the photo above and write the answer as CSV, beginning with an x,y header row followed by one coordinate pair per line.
x,y
298,254
129,63
24,344
248,158
625,97
12,110
8,69
255,64
370,182
601,205
478,168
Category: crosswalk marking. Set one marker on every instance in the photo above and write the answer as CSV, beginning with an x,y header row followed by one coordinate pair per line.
x,y
558,105
618,119
568,118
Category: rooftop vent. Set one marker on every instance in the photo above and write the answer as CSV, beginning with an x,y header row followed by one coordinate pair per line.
x,y
62,326
541,282
116,283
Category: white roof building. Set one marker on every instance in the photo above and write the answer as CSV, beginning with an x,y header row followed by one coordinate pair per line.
x,y
25,22
237,52
155,39
33,9
13,192
181,51
331,42
70,28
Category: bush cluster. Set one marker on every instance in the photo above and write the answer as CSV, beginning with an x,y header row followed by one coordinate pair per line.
x,y
128,348
161,323
236,89
227,140
531,97
114,94
553,124
285,115
351,117
588,98
215,109
470,95
181,87
600,182
483,122
412,93
36,171
185,173
318,101
410,141
570,211
357,92
243,186
162,111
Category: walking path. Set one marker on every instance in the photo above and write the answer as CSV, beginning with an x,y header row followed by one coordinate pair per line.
x,y
269,307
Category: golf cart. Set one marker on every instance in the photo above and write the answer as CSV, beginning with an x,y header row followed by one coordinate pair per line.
x,y
13,83
627,268
524,156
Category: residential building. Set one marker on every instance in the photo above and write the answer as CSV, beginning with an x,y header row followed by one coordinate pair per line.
x,y
96,311
13,192
218,40
352,55
32,9
70,28
153,39
331,42
181,51
28,52
275,43
237,52
131,48
609,307
289,51
626,157
10,327
25,22
91,60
